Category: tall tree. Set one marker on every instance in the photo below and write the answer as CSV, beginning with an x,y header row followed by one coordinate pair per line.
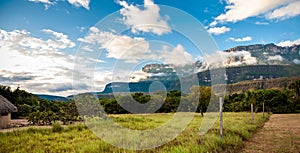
x,y
295,87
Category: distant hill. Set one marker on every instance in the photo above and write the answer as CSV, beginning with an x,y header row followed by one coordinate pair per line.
x,y
233,75
52,97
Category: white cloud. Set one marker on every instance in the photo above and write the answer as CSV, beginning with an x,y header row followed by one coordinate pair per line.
x,y
237,10
22,41
80,3
227,59
175,56
38,62
275,58
288,11
144,20
41,1
218,30
61,40
214,23
238,58
244,39
132,50
46,3
138,75
119,46
261,23
288,43
76,3
296,61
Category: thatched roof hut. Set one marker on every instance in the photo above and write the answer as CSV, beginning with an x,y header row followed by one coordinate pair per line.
x,y
6,106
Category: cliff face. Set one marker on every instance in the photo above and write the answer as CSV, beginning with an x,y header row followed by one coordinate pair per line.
x,y
278,83
269,54
267,48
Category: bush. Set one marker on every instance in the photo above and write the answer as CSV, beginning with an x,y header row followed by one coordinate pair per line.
x,y
56,127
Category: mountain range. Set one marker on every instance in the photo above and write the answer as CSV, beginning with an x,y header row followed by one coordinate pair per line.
x,y
53,97
252,62
270,53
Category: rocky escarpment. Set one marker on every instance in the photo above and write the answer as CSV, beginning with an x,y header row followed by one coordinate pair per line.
x,y
267,48
278,83
268,54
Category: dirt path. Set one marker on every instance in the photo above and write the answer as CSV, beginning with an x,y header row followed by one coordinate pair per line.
x,y
21,124
281,134
24,128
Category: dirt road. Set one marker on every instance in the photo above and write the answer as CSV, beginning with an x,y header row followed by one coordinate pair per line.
x,y
281,134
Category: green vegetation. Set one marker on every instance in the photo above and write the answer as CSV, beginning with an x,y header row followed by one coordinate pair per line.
x,y
42,112
275,101
39,111
77,138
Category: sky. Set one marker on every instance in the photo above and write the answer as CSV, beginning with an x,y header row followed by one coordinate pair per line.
x,y
63,47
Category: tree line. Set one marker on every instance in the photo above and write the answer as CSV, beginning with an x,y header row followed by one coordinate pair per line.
x,y
274,100
40,111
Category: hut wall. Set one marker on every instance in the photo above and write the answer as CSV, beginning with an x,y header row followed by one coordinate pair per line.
x,y
5,121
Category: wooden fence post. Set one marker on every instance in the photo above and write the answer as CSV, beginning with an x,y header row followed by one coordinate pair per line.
x,y
252,113
221,118
263,109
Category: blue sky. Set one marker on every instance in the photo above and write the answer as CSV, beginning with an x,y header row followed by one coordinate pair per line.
x,y
41,39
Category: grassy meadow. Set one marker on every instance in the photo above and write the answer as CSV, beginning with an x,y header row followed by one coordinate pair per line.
x,y
78,138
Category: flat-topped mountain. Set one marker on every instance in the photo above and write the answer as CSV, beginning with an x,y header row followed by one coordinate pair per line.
x,y
268,48
268,54
242,63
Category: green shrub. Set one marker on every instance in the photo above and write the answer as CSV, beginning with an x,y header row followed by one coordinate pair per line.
x,y
56,127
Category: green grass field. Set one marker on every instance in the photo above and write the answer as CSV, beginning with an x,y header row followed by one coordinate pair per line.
x,y
78,138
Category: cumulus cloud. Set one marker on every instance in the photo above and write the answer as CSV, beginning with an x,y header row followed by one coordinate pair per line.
x,y
237,10
227,59
144,20
285,12
238,58
288,43
175,56
119,46
218,30
261,23
244,39
31,61
132,50
80,3
275,58
61,40
76,3
22,41
138,75
41,1
296,61
8,76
